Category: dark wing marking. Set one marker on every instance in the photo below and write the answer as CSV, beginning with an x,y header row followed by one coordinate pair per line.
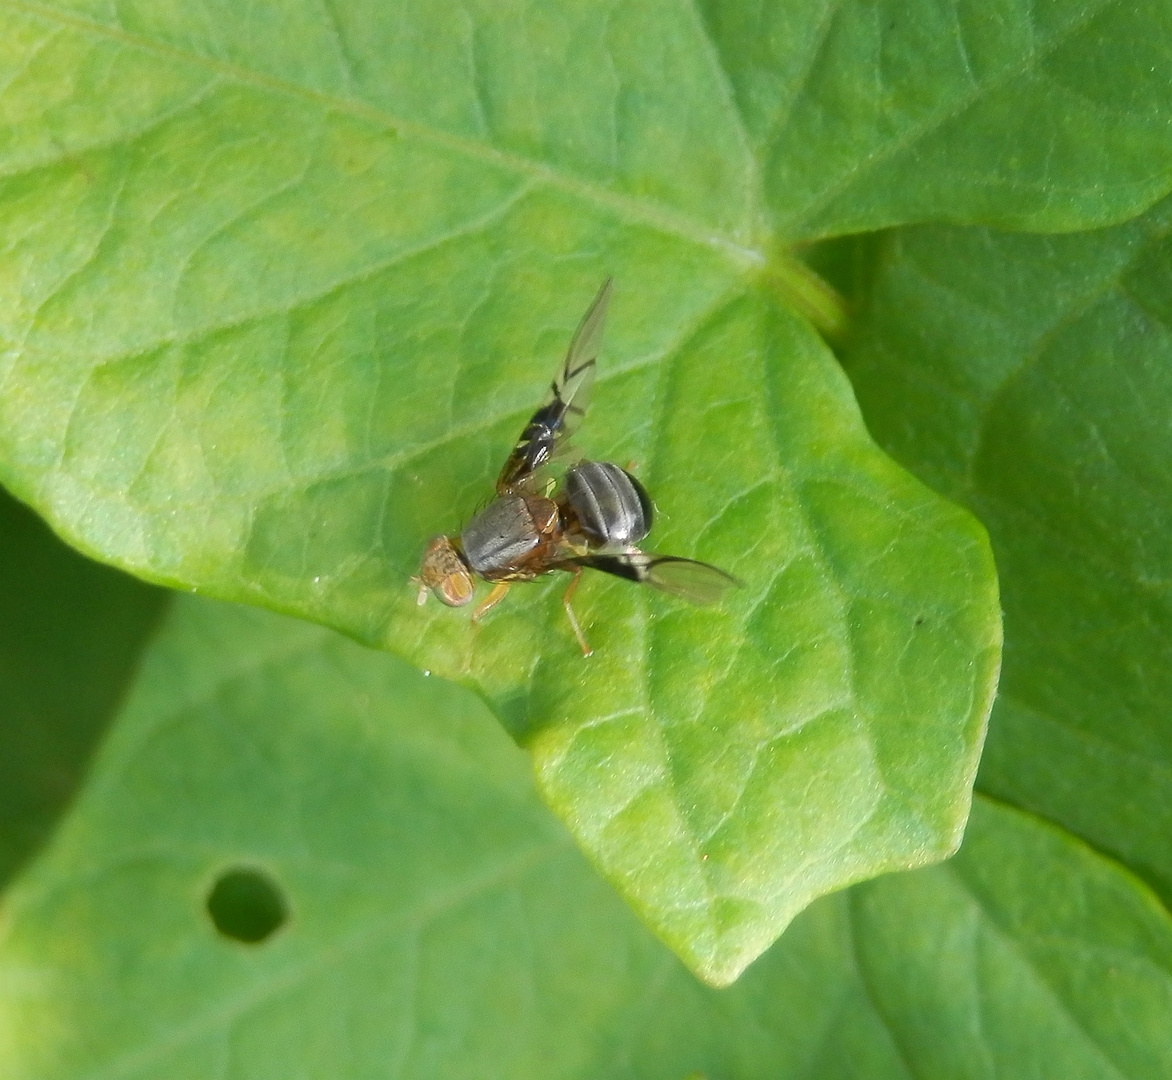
x,y
562,412
688,579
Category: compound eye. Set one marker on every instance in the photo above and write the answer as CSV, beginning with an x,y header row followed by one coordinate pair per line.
x,y
444,572
456,589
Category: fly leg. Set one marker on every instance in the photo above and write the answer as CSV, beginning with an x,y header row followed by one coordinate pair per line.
x,y
570,590
491,601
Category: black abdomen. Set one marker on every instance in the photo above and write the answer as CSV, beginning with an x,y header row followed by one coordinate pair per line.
x,y
611,506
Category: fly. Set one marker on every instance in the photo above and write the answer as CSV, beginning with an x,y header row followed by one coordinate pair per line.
x,y
595,518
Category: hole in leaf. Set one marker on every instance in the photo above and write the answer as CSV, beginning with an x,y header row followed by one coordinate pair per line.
x,y
246,905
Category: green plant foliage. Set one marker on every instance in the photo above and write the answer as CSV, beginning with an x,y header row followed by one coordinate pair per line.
x,y
1028,377
1027,953
281,284
70,633
450,928
1045,115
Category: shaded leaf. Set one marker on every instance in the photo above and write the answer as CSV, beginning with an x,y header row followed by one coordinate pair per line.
x,y
440,922
1049,116
1029,378
1028,954
70,634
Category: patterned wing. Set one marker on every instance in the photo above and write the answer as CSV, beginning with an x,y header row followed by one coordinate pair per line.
x,y
562,412
699,582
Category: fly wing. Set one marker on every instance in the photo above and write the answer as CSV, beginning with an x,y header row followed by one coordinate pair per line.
x,y
562,411
688,579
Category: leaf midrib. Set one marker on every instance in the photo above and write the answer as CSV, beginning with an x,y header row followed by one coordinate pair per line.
x,y
627,207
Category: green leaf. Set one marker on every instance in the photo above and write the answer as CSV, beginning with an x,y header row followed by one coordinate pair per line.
x,y
819,728
282,288
438,922
1046,116
1029,378
69,635
1026,955
723,768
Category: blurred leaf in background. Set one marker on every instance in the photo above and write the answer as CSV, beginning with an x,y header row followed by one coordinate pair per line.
x,y
70,635
1029,378
452,929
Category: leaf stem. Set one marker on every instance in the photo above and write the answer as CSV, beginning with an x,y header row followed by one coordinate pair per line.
x,y
801,287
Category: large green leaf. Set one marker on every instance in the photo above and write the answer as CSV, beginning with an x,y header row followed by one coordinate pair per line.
x,y
1048,116
70,631
281,285
439,923
1027,956
722,767
727,122
1030,378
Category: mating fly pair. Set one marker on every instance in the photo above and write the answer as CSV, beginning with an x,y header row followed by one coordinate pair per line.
x,y
594,518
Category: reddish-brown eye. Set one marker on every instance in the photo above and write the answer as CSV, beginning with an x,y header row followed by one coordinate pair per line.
x,y
456,589
444,572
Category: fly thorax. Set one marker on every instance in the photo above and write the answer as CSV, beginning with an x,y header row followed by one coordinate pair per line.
x,y
500,536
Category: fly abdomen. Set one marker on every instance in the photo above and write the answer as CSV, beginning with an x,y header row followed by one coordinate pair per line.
x,y
610,505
